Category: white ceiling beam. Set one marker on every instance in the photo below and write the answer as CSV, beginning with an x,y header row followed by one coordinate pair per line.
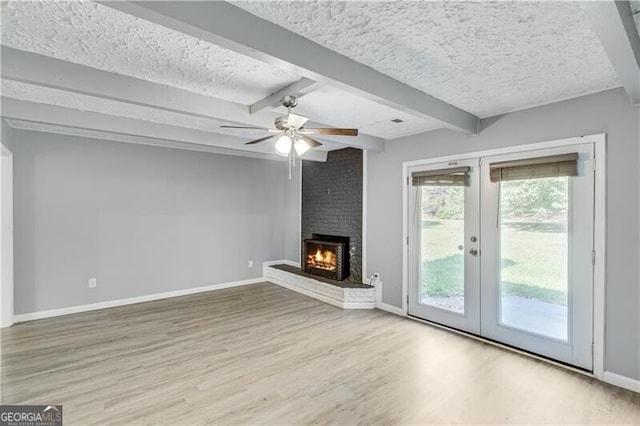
x,y
613,23
140,140
91,121
233,28
302,87
32,68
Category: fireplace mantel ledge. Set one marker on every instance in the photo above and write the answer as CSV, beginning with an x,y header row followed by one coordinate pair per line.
x,y
345,298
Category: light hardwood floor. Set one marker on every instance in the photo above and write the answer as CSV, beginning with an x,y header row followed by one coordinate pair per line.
x,y
263,354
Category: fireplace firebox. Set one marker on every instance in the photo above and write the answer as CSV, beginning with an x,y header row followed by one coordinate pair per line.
x,y
327,256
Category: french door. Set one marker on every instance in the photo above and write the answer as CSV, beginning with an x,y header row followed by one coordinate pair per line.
x,y
444,244
502,247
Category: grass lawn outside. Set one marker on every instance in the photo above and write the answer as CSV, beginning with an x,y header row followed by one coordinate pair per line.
x,y
534,262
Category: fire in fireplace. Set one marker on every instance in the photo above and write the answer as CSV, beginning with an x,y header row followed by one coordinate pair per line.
x,y
323,259
327,256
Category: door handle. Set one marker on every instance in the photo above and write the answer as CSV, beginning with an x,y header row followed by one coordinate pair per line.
x,y
473,252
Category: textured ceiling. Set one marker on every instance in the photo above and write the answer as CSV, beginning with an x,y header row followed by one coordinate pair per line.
x,y
487,58
343,109
100,37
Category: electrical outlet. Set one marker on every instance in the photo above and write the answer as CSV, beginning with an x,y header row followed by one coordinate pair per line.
x,y
93,282
250,264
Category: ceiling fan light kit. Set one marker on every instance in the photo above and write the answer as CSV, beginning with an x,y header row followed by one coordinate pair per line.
x,y
285,142
283,146
301,147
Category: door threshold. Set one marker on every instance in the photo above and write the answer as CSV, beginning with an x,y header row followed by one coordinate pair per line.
x,y
569,367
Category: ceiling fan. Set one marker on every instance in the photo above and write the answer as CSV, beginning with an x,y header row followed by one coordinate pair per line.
x,y
292,133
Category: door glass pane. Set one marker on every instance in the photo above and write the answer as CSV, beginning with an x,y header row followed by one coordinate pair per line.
x,y
534,255
441,247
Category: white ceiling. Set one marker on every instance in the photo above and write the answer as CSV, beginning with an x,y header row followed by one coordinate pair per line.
x,y
486,58
90,34
343,109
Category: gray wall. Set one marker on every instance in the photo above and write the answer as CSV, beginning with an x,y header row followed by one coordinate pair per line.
x,y
332,201
140,219
607,112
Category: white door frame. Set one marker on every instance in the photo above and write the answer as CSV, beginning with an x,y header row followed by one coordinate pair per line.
x,y
6,237
599,278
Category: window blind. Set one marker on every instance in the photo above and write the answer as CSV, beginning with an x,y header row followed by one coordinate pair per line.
x,y
532,168
457,176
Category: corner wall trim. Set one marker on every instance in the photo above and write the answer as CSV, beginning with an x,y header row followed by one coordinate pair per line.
x,y
131,300
622,381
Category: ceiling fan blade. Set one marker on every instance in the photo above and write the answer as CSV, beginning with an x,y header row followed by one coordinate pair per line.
x,y
329,131
259,140
252,128
312,142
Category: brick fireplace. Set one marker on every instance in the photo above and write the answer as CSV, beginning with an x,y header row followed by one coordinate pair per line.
x,y
332,203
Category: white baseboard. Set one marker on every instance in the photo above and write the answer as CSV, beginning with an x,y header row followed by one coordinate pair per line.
x,y
392,309
357,305
622,381
131,300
